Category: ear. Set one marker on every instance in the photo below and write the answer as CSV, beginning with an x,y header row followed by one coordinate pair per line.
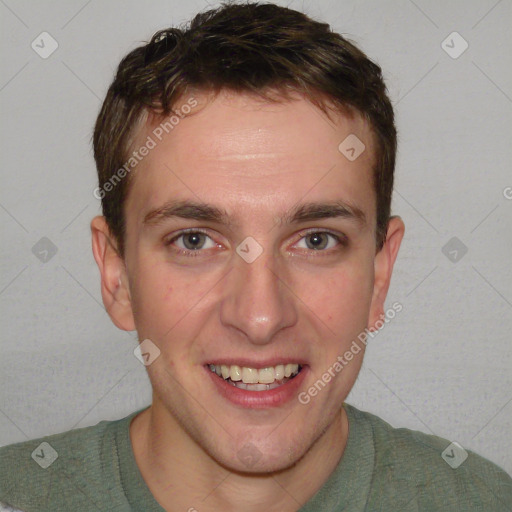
x,y
384,262
114,281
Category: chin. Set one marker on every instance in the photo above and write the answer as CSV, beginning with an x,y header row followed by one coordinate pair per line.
x,y
262,457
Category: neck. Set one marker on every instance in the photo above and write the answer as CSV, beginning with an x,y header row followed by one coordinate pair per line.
x,y
182,476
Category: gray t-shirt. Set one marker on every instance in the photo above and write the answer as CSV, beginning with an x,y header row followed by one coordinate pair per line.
x,y
382,469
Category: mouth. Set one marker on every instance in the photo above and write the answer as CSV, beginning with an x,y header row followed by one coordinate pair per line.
x,y
254,379
257,388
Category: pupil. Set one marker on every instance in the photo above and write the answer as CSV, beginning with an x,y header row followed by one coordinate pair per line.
x,y
193,240
317,240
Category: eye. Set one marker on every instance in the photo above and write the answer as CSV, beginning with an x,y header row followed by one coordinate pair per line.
x,y
190,241
321,240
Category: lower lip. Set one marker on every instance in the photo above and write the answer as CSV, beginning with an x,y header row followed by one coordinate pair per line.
x,y
259,399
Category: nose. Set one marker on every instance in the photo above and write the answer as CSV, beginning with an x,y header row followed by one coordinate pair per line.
x,y
257,300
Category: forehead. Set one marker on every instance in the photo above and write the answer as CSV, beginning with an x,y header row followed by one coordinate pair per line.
x,y
239,150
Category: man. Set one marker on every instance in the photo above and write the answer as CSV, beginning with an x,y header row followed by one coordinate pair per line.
x,y
246,169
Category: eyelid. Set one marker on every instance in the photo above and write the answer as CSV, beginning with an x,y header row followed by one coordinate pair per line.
x,y
335,234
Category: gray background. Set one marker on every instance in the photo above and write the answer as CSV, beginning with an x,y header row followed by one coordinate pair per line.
x,y
442,366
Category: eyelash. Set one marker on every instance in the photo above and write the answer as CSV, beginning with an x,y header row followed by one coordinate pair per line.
x,y
341,239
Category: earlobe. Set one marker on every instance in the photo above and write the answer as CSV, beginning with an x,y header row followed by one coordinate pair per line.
x,y
384,262
114,283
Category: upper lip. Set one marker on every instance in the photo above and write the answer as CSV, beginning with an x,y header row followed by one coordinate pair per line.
x,y
229,361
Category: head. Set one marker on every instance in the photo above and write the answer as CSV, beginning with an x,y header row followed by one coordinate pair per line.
x,y
289,246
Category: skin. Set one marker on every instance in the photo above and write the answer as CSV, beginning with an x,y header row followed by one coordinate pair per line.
x,y
257,160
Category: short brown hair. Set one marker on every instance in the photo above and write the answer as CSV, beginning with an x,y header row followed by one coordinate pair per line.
x,y
245,48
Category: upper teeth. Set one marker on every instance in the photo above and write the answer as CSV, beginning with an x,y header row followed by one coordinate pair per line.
x,y
254,376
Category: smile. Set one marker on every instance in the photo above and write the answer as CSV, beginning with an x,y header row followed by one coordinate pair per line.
x,y
253,379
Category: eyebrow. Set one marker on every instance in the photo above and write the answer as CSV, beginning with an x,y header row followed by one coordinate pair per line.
x,y
199,211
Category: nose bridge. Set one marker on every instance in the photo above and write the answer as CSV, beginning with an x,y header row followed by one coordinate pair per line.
x,y
257,302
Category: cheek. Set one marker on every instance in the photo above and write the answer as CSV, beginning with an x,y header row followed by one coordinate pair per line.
x,y
342,297
166,301
152,298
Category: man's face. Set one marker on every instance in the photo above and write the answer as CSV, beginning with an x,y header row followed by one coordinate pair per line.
x,y
302,301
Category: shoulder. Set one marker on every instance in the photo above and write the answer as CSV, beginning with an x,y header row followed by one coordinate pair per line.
x,y
58,471
414,469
